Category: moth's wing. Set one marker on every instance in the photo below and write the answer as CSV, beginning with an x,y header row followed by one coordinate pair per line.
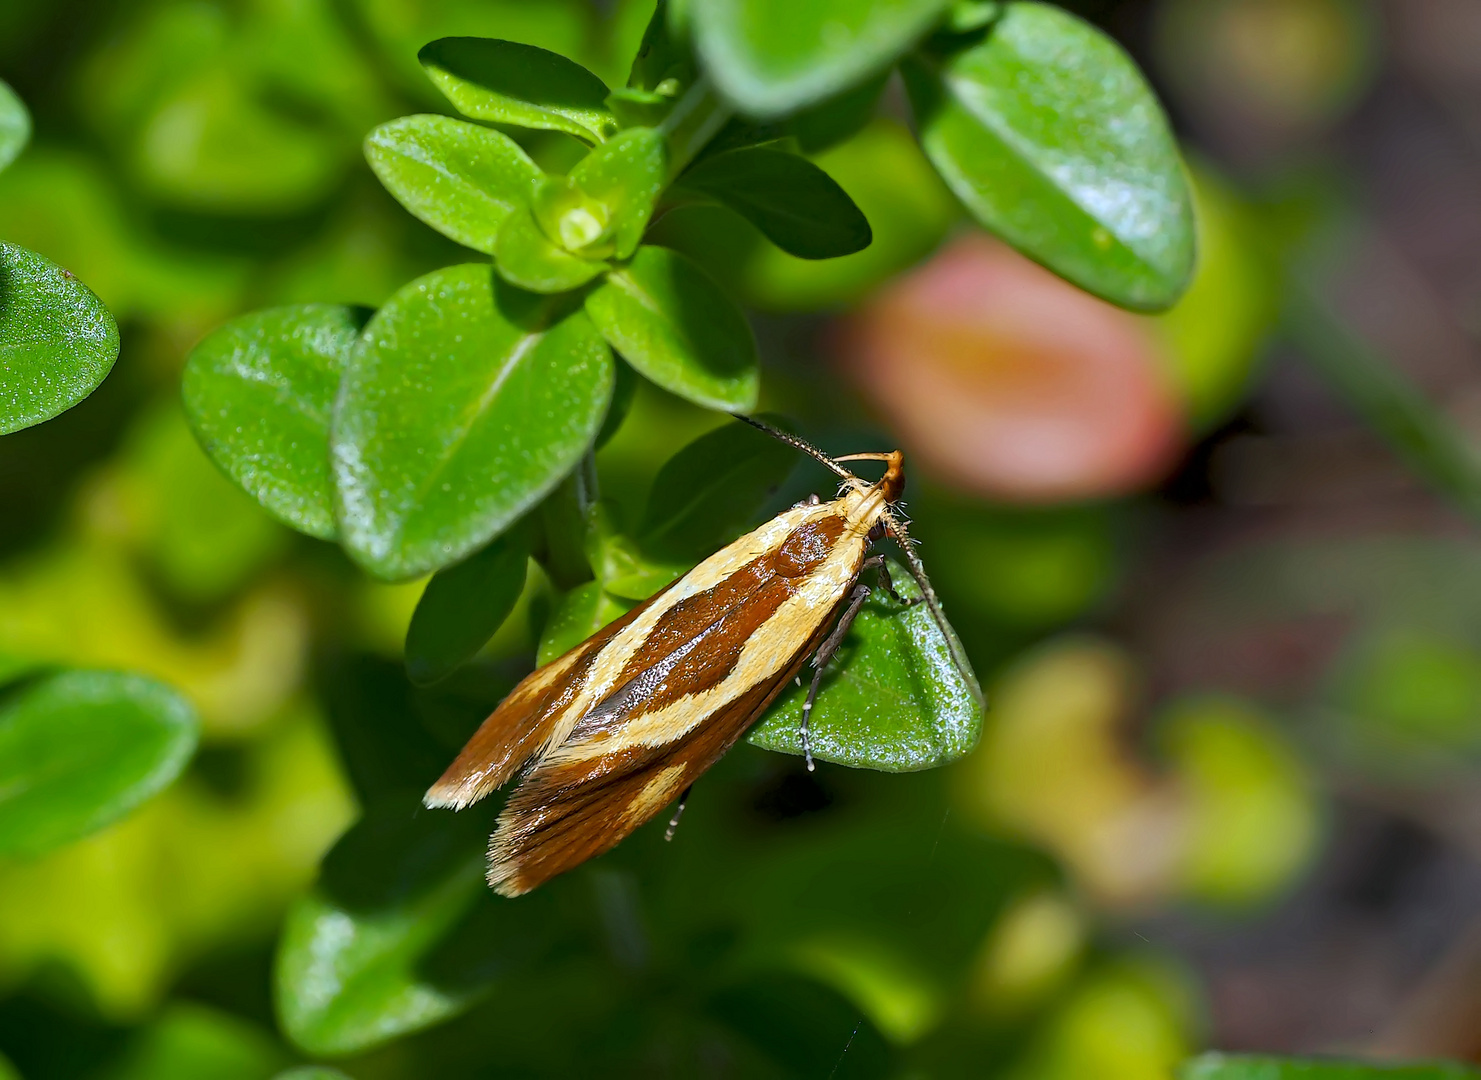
x,y
522,725
638,749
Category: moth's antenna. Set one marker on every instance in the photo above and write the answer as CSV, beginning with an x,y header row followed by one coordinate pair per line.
x,y
798,442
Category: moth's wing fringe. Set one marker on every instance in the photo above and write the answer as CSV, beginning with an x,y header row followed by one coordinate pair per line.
x,y
547,827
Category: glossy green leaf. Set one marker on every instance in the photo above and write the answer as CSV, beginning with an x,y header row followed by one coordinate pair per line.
x,y
311,1072
672,323
348,967
795,204
464,403
80,749
462,179
463,605
898,697
259,393
1052,138
57,340
581,612
528,258
509,83
706,494
15,125
773,56
1215,1066
625,175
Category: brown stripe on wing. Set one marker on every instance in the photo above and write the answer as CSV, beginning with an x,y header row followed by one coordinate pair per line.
x,y
696,643
521,724
563,814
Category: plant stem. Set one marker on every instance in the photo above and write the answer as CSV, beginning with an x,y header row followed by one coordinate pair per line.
x,y
1385,399
693,122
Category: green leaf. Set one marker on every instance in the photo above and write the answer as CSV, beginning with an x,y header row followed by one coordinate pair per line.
x,y
461,179
312,1072
795,204
348,972
625,571
14,667
664,59
581,612
57,340
1216,1066
463,605
706,494
464,403
80,749
671,322
801,1025
835,119
772,56
15,125
898,697
191,1041
259,393
1053,140
625,175
526,257
509,83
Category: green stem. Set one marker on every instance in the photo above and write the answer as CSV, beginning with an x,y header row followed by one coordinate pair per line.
x,y
692,123
1385,399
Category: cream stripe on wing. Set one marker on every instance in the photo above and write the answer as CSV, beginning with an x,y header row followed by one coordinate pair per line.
x,y
766,653
611,661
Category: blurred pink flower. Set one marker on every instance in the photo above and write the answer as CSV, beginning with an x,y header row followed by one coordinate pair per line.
x,y
1012,383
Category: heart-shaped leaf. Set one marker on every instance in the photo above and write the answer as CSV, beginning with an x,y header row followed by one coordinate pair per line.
x,y
898,697
1250,1067
80,749
464,403
259,393
772,56
460,178
508,83
1049,134
706,494
795,204
15,125
679,329
528,258
463,605
57,340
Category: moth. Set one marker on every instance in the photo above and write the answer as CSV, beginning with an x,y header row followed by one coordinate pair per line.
x,y
609,734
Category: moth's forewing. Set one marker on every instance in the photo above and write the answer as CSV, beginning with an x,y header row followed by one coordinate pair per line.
x,y
523,724
694,676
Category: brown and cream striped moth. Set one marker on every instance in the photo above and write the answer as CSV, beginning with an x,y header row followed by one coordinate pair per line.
x,y
609,734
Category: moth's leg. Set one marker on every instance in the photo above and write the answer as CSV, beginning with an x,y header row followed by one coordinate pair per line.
x,y
887,584
824,654
674,821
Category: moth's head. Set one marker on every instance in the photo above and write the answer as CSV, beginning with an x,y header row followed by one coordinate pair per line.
x,y
892,484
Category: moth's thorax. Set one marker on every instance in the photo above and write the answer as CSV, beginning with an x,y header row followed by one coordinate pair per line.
x,y
863,505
